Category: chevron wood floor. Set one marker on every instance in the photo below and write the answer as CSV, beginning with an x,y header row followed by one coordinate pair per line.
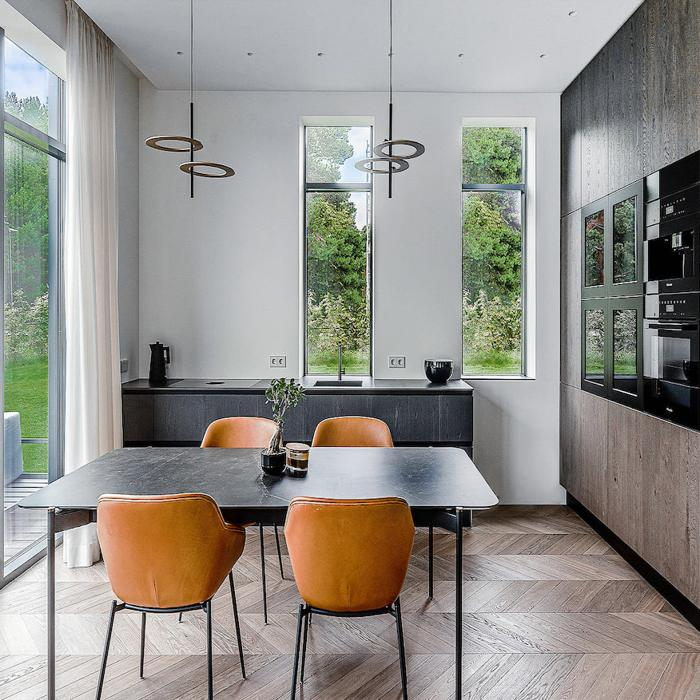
x,y
551,612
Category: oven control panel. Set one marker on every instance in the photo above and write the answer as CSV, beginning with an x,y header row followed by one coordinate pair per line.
x,y
672,307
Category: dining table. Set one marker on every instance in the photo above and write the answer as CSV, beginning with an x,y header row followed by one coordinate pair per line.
x,y
441,485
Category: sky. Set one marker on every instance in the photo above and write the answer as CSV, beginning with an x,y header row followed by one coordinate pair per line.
x,y
23,75
359,138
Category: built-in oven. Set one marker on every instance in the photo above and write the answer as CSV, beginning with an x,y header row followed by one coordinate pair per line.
x,y
672,357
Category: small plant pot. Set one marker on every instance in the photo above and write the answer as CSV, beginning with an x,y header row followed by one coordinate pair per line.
x,y
272,464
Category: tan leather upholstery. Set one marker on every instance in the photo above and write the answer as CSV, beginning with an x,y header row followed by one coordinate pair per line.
x,y
239,432
352,431
349,555
166,551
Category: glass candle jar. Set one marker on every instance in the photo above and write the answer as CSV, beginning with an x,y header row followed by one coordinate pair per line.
x,y
297,458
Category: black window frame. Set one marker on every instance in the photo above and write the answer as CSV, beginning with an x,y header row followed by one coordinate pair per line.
x,y
55,149
521,187
350,187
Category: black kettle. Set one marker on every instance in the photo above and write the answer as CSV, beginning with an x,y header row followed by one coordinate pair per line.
x,y
160,357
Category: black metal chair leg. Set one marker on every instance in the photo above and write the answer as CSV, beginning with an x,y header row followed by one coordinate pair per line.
x,y
300,615
430,562
179,617
210,661
303,646
105,653
262,566
143,642
236,622
402,652
279,551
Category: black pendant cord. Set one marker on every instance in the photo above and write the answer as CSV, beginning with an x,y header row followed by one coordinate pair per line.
x,y
391,91
192,96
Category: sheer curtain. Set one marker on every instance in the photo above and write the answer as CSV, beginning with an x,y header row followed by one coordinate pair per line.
x,y
93,395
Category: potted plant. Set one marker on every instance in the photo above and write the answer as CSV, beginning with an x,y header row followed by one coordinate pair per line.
x,y
283,394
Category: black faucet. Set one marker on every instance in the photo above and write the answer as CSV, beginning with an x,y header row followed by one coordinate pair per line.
x,y
341,371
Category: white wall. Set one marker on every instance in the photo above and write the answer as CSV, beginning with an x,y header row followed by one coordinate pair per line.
x,y
219,275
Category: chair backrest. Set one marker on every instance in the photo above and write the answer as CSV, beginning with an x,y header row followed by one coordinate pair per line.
x,y
166,551
352,431
239,432
349,555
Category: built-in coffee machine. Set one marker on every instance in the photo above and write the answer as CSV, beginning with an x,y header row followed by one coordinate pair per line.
x,y
672,293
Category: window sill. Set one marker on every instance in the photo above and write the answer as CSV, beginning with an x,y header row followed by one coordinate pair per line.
x,y
511,377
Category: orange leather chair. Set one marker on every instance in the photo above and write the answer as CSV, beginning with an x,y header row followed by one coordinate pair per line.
x,y
246,432
350,559
167,554
352,431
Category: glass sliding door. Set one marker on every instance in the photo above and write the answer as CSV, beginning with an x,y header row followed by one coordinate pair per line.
x,y
33,160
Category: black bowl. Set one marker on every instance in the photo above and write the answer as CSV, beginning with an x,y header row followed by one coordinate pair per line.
x,y
438,371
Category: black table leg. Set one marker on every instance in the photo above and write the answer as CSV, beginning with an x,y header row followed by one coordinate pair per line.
x,y
51,601
458,602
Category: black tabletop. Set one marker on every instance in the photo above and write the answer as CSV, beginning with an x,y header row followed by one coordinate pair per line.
x,y
426,477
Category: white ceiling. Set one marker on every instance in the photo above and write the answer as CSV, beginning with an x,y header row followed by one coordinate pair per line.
x,y
501,42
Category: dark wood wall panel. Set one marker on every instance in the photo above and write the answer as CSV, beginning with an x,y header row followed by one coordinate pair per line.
x,y
639,105
571,148
594,129
626,82
570,308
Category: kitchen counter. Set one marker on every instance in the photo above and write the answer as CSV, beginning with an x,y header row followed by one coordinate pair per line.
x,y
417,412
257,386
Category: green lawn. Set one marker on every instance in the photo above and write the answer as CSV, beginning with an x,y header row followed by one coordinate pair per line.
x,y
495,362
354,362
27,391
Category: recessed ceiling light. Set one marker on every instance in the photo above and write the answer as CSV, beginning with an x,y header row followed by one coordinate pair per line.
x,y
179,53
543,55
320,53
572,13
250,53
460,55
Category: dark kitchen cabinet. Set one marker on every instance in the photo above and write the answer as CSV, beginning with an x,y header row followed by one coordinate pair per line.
x,y
611,348
181,418
612,240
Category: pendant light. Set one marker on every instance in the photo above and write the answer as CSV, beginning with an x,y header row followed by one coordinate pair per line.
x,y
190,143
385,162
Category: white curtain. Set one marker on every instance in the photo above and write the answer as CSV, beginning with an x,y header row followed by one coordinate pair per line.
x,y
93,392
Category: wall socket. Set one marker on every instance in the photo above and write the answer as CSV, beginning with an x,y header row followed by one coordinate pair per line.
x,y
124,365
397,362
278,361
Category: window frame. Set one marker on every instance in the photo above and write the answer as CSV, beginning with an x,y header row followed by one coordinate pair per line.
x,y
55,149
527,209
320,187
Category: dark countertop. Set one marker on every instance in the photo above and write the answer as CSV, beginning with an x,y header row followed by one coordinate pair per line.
x,y
258,386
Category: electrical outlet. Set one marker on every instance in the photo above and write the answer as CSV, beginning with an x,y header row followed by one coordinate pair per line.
x,y
278,361
397,362
124,365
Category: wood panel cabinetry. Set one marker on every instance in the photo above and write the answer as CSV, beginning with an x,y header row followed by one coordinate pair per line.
x,y
640,476
570,279
583,450
594,129
633,110
571,148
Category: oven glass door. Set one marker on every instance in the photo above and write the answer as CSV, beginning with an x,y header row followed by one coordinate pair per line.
x,y
671,354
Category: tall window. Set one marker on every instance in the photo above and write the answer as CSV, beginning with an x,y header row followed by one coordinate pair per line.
x,y
338,237
33,175
493,219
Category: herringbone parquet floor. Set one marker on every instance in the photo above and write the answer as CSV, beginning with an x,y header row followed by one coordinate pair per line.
x,y
550,612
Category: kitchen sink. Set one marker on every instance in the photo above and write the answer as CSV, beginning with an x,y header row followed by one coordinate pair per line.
x,y
336,382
